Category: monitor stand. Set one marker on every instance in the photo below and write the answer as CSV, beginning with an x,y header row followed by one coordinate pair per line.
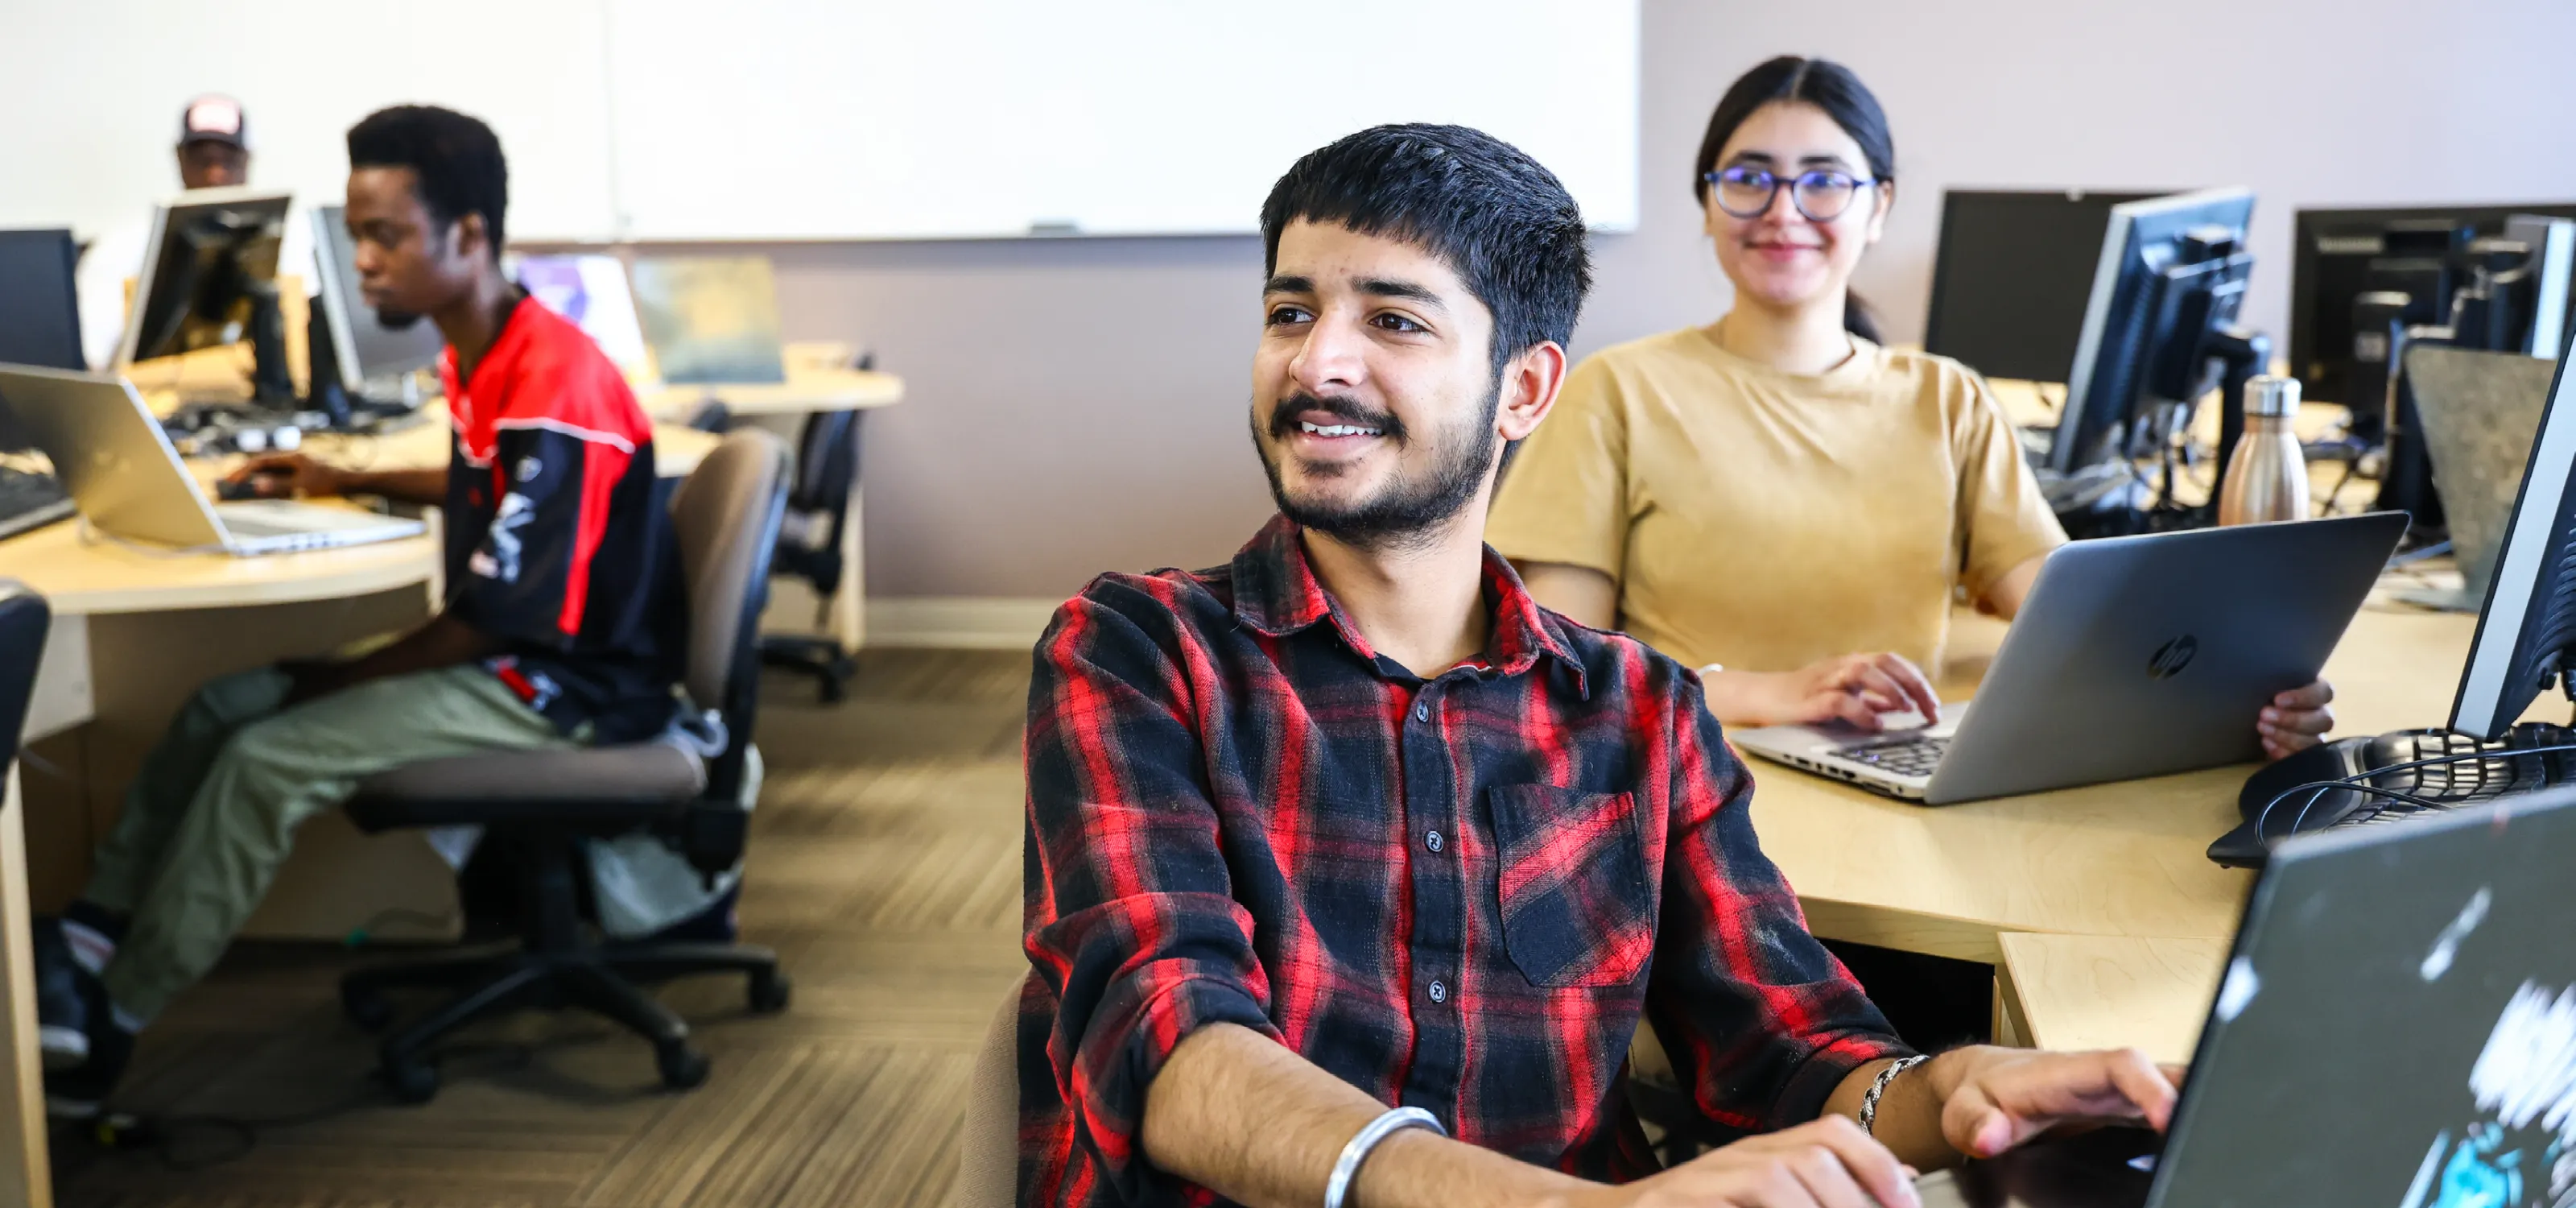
x,y
272,384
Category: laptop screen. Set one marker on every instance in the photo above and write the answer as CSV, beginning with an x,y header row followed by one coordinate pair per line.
x,y
2397,1024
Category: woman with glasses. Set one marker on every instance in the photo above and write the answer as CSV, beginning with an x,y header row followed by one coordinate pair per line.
x,y
1776,497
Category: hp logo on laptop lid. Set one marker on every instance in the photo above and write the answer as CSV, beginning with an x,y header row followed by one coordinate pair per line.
x,y
2170,658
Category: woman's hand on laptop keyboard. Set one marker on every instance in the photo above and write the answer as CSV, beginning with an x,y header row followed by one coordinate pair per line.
x,y
1851,688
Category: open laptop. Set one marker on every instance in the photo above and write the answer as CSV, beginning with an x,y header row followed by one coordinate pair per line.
x,y
2396,1027
2133,656
120,469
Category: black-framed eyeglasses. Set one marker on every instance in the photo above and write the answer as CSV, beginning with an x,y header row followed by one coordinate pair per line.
x,y
1821,194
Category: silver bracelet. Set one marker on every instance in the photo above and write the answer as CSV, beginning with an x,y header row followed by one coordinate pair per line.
x,y
1878,1086
1347,1167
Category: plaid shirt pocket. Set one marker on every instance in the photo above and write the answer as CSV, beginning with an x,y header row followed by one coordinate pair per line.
x,y
1578,909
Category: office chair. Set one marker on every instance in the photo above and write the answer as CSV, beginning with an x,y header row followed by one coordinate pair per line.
x,y
24,618
543,803
988,1147
809,544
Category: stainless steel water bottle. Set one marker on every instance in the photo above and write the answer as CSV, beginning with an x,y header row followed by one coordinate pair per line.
x,y
2267,477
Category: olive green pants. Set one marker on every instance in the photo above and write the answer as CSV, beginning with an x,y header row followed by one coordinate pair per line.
x,y
213,812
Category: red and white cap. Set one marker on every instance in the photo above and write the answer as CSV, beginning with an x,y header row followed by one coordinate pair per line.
x,y
214,118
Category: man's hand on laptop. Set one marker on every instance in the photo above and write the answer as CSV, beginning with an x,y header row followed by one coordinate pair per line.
x,y
1993,1099
1825,1164
1851,688
287,475
2296,720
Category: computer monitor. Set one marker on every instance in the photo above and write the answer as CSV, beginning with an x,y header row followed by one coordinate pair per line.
x,y
39,301
2167,286
711,319
2338,254
591,291
352,348
2011,277
210,278
2527,627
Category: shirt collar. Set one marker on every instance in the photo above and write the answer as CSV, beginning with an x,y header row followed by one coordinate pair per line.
x,y
504,345
1276,593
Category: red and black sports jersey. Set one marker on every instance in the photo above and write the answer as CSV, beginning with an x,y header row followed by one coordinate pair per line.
x,y
1457,893
557,539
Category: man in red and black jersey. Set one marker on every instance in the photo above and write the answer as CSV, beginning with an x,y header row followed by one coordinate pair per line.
x,y
563,622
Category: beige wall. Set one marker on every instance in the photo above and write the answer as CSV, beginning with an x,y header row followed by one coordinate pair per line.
x,y
1078,406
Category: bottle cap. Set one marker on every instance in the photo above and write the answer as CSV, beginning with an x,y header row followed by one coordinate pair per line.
x,y
2273,397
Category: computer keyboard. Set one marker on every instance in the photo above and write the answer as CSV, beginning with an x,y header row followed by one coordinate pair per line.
x,y
30,501
2471,771
1914,756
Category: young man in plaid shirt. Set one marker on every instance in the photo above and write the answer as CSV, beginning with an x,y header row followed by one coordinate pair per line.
x,y
1352,824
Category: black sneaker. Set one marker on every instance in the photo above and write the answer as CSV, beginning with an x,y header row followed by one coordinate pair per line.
x,y
63,994
80,1092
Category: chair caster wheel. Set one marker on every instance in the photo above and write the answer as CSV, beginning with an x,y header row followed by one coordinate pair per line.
x,y
366,1008
769,992
682,1067
412,1081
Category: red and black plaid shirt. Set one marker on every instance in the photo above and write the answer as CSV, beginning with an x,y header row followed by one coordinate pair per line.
x,y
1457,893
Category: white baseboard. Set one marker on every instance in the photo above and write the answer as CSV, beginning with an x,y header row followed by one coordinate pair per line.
x,y
959,622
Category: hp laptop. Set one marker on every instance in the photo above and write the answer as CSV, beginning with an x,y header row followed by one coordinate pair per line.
x,y
2133,656
2396,1027
119,467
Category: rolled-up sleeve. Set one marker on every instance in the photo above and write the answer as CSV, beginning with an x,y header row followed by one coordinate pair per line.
x,y
1760,1021
1131,925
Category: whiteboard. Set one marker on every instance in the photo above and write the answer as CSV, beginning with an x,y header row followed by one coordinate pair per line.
x,y
818,119
798,119
94,89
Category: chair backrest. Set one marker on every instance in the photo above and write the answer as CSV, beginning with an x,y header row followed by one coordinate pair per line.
x,y
827,462
24,618
725,517
988,1148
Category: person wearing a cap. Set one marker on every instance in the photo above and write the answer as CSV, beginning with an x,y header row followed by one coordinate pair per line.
x,y
213,152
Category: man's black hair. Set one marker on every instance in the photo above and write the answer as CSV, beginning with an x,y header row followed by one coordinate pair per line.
x,y
455,160
1502,222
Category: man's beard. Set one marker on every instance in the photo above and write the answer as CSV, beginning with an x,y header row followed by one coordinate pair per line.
x,y
1410,509
395,320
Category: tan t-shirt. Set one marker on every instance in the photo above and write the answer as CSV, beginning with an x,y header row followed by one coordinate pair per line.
x,y
1765,520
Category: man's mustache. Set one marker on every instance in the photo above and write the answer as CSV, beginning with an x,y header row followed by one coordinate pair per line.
x,y
1284,419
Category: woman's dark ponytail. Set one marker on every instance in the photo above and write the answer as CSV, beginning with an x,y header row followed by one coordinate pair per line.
x,y
1828,86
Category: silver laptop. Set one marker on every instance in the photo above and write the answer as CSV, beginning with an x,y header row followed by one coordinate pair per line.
x,y
126,478
2133,656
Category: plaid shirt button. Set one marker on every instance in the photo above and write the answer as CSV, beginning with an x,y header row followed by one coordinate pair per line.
x,y
1432,840
1422,712
1439,992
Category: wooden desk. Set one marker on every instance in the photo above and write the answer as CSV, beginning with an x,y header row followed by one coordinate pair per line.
x,y
2124,861
807,389
2104,992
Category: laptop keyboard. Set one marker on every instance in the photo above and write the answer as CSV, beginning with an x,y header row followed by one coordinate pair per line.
x,y
30,501
1900,756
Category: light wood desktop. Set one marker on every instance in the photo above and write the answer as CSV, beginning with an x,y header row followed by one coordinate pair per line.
x,y
2108,991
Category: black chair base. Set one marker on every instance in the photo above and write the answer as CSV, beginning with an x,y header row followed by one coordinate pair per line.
x,y
823,658
555,967
609,980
